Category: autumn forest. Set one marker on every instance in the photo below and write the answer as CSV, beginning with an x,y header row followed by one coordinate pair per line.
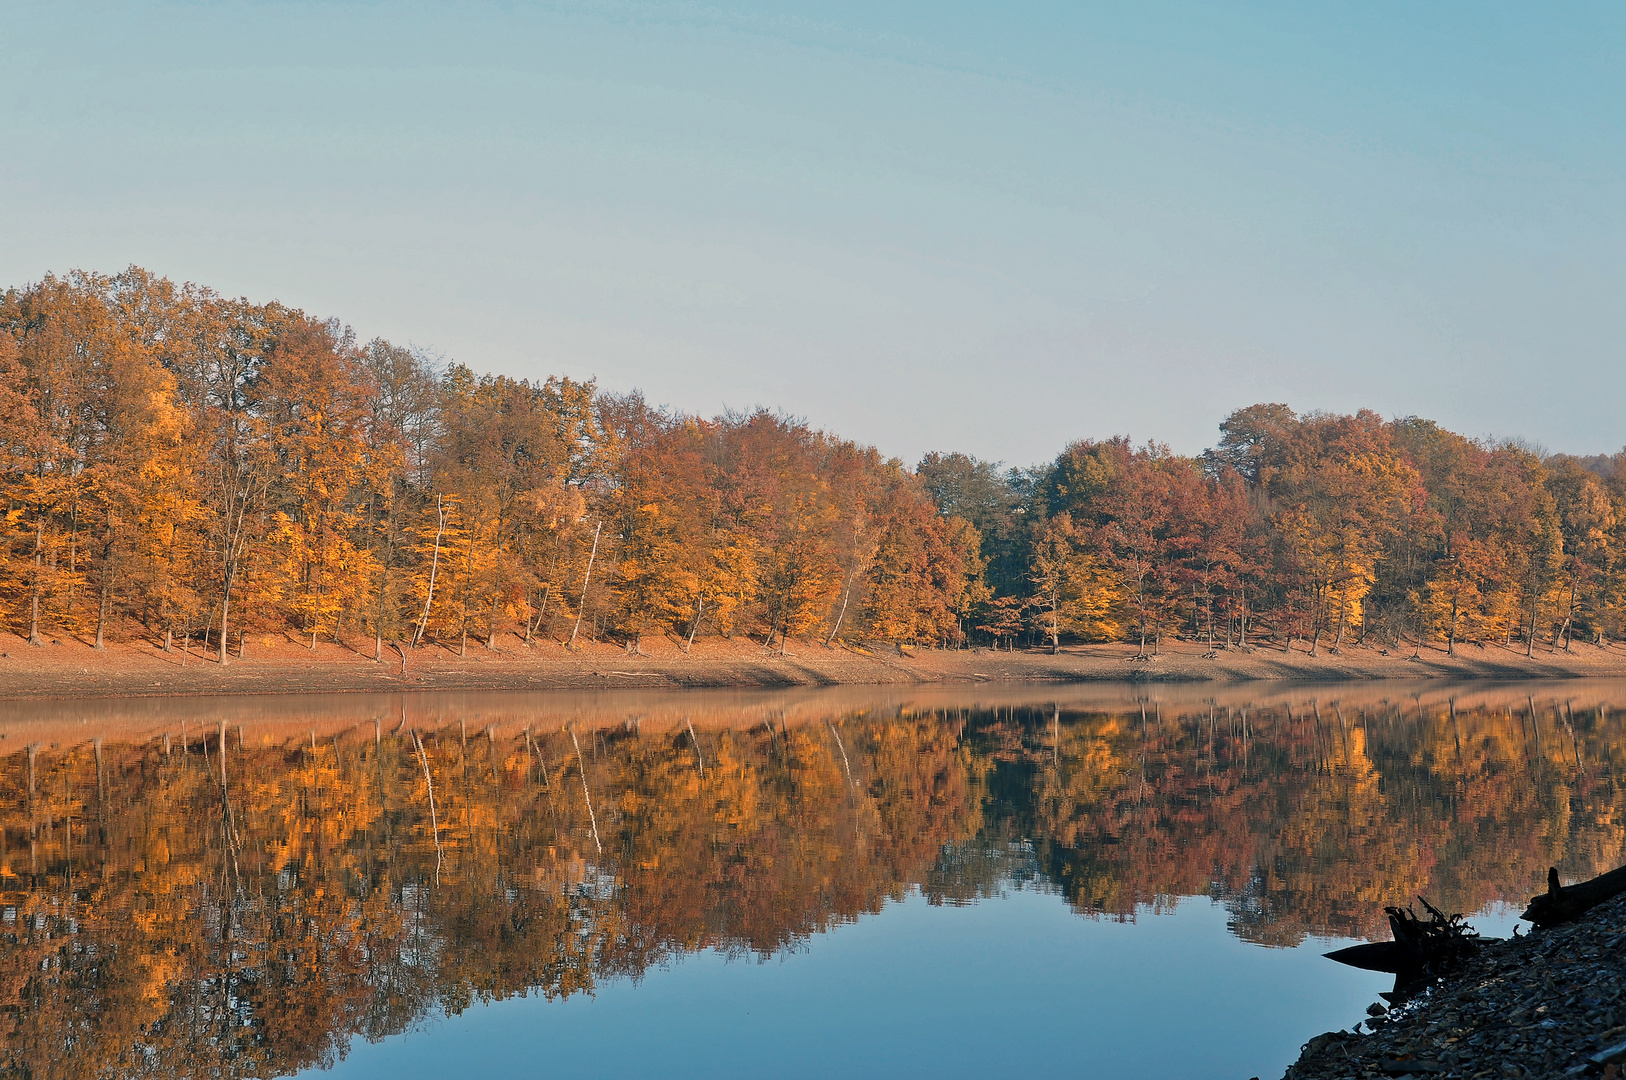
x,y
196,470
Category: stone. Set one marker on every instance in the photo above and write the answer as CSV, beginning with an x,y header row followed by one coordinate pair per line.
x,y
1543,1004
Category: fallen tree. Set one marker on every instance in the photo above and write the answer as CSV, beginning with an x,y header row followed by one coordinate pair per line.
x,y
1422,949
1562,903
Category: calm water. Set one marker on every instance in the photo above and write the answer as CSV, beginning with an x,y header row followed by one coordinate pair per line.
x,y
1102,882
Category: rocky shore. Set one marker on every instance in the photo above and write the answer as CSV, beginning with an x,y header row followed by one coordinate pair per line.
x,y
1551,1003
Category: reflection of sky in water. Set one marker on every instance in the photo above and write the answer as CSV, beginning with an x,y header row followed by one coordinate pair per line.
x,y
1275,821
1011,985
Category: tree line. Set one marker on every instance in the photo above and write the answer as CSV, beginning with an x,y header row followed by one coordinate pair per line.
x,y
1319,529
210,469
216,469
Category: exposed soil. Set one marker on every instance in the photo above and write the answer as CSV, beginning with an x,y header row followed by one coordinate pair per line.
x,y
69,667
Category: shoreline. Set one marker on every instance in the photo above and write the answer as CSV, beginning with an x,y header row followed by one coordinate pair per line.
x,y
295,714
70,668
1550,1003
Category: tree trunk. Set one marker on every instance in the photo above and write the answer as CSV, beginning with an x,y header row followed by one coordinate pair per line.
x,y
468,590
531,626
1560,904
1343,614
1055,623
101,611
834,629
586,580
1569,619
699,609
378,612
434,569
39,586
225,610
1315,625
236,550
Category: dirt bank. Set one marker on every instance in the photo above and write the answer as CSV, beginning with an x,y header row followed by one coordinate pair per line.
x,y
68,667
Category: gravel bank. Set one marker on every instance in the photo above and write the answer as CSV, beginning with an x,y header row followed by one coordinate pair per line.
x,y
1551,1003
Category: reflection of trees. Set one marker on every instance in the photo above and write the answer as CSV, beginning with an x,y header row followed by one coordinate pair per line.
x,y
216,907
1305,821
160,921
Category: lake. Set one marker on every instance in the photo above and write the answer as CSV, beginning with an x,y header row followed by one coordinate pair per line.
x,y
1100,881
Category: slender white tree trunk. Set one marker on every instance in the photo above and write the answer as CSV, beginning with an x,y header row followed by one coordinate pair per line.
x,y
699,609
574,630
434,569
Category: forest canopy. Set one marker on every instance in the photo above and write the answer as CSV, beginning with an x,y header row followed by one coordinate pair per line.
x,y
187,467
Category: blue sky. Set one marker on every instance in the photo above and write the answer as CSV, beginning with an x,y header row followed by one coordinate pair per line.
x,y
988,227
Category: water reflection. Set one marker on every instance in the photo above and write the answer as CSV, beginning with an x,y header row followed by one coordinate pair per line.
x,y
242,888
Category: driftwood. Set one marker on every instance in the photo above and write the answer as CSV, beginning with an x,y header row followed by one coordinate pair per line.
x,y
1390,957
1560,904
1422,949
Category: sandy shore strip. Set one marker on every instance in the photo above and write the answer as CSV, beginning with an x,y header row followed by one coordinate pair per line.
x,y
69,667
56,722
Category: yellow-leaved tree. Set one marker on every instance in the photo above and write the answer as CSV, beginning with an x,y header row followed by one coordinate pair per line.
x,y
1074,592
1341,488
